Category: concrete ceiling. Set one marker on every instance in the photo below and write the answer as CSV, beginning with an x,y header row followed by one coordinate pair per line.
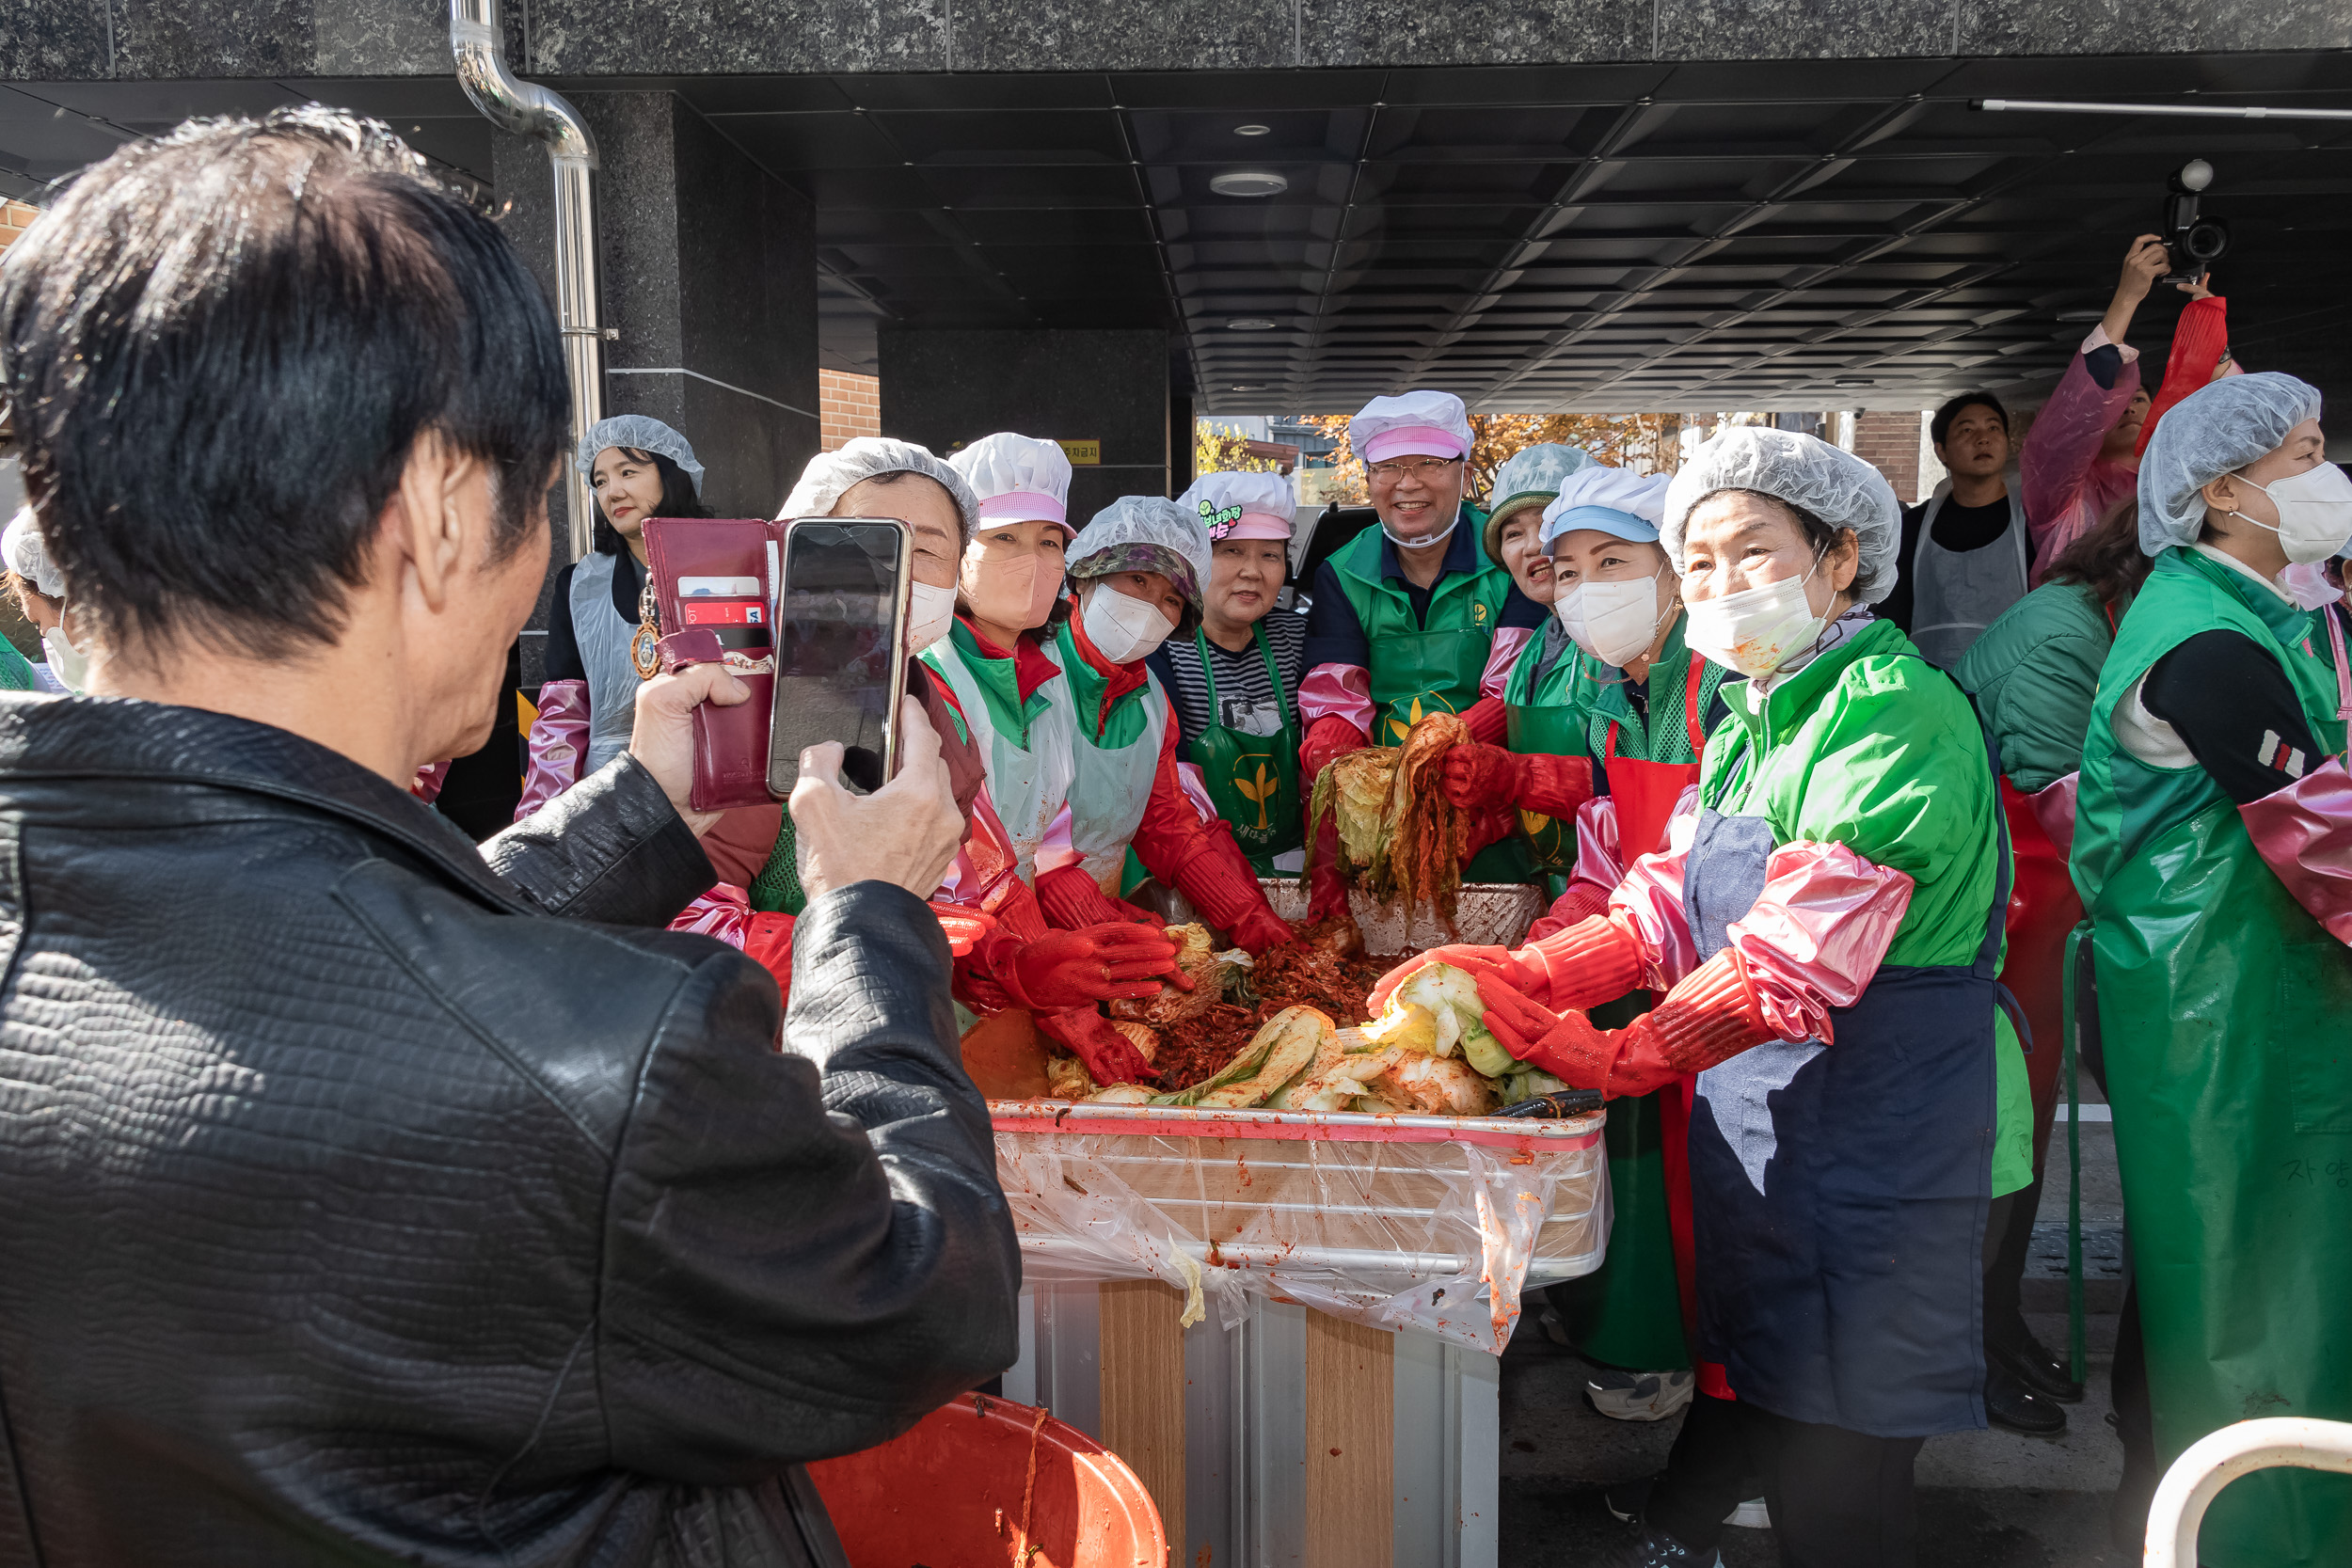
x,y
1607,237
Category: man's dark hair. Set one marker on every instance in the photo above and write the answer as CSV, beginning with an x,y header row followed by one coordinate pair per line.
x,y
678,498
1940,426
220,348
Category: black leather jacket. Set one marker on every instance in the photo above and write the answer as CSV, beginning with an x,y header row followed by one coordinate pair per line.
x,y
356,1209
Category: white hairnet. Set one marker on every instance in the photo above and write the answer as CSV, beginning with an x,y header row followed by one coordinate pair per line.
x,y
830,475
1805,471
1433,424
2215,429
1144,533
1241,505
27,554
1017,478
638,433
1536,473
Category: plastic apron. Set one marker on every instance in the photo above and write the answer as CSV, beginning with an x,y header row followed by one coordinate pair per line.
x,y
1840,1192
2223,1010
1543,716
1253,780
613,678
1419,667
1032,757
2042,907
1956,593
1115,762
1638,1309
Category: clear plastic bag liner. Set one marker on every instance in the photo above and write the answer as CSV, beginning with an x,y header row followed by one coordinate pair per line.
x,y
1431,1223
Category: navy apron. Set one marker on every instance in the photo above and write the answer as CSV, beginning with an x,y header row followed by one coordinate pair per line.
x,y
1839,1192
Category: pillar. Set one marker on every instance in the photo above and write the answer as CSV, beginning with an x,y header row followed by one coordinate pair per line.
x,y
708,273
947,388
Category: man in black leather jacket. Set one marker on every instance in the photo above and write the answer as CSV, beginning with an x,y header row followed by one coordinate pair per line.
x,y
366,1197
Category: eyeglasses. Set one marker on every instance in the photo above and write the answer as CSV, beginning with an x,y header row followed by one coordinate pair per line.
x,y
1426,472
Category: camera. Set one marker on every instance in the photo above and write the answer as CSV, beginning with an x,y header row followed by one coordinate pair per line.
x,y
2192,243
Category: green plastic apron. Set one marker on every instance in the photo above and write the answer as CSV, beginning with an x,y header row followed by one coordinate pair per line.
x,y
1434,666
1543,717
1116,758
1031,749
1253,780
1636,1310
2226,1014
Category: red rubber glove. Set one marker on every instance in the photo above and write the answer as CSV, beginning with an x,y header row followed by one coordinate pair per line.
x,y
1489,719
1072,900
1109,962
963,928
1587,964
1110,1056
1222,884
1711,1016
1328,738
1461,955
768,938
1477,776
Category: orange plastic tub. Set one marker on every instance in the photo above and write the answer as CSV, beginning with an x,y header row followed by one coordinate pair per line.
x,y
983,1481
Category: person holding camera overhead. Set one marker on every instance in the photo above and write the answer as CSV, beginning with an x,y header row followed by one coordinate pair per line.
x,y
1234,683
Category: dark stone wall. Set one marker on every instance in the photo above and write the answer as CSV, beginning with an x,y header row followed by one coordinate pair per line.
x,y
709,280
948,389
128,39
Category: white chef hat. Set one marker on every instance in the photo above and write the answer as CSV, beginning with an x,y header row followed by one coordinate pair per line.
x,y
1613,501
27,554
1806,472
1018,479
638,433
830,475
1433,424
2217,428
1242,506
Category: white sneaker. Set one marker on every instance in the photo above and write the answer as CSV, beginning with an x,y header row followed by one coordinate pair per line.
x,y
1639,1396
1753,1515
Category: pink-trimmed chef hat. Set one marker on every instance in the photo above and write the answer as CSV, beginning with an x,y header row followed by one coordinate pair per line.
x,y
1428,424
1019,479
1241,506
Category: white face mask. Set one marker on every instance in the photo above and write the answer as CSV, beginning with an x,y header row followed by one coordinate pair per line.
x,y
930,612
70,664
2315,512
1124,630
1612,620
2306,582
1755,630
1438,537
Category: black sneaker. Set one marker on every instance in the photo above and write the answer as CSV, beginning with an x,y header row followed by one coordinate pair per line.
x,y
1655,1549
2023,1355
1626,1501
2007,1402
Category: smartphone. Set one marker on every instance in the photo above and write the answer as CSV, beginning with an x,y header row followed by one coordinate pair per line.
x,y
839,630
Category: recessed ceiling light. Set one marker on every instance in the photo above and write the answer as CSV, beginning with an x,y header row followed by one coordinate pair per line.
x,y
1250,324
1248,181
1248,386
1251,130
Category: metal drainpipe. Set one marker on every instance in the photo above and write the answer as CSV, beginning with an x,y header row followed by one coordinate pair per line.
x,y
529,109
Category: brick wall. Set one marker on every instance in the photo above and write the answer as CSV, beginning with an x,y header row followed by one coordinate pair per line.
x,y
1889,442
849,405
15,218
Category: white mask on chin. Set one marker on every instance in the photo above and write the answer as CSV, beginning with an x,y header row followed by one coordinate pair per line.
x,y
930,612
1612,620
1755,630
1124,630
70,664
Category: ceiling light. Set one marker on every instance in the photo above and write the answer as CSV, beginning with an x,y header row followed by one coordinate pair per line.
x,y
1248,181
1854,381
2090,314
1250,324
1248,386
1251,130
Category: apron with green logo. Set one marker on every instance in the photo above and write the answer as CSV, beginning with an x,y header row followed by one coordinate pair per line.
x,y
1253,780
2225,1010
1419,667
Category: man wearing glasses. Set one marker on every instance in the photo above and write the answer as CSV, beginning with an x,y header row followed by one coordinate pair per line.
x,y
1411,617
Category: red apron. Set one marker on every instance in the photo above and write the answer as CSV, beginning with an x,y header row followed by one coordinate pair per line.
x,y
2042,907
1646,793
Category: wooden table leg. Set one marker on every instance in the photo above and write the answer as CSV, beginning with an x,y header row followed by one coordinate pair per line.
x,y
1351,1444
1143,1392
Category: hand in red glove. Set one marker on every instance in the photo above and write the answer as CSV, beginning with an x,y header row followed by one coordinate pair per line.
x,y
1711,1016
1460,955
1478,777
1108,962
1110,1057
1261,931
768,938
1327,739
1072,900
